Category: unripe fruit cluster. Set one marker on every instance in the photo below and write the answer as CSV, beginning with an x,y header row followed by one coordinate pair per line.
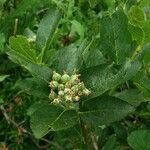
x,y
66,89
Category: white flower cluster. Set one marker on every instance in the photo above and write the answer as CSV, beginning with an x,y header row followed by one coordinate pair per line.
x,y
66,89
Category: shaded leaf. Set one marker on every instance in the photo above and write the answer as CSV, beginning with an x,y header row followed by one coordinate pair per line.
x,y
33,86
139,140
115,39
47,28
39,71
69,58
51,118
102,78
132,96
104,110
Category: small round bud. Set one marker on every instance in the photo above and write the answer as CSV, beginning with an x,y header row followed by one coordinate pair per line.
x,y
67,91
80,93
65,78
76,98
68,98
61,87
75,89
61,93
81,86
56,101
74,79
68,84
54,85
52,95
86,92
56,76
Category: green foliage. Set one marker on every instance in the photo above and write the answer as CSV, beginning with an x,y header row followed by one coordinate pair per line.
x,y
115,38
47,27
104,110
51,118
98,52
139,139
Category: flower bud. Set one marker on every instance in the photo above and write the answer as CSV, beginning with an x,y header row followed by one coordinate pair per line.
x,y
67,91
76,98
61,93
54,85
68,98
75,89
86,92
61,87
68,84
74,79
81,86
56,101
52,95
56,76
65,78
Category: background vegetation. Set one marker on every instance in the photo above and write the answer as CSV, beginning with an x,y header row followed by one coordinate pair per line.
x,y
107,42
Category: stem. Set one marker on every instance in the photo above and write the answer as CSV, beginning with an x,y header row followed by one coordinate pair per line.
x,y
87,138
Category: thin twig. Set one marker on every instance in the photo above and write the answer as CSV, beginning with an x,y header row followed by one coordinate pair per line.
x,y
16,125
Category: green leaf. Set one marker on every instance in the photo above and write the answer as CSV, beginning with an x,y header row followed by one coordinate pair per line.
x,y
34,86
115,39
137,34
1,100
102,78
2,41
21,50
69,58
3,77
146,29
136,15
111,143
142,81
77,27
47,28
139,140
2,3
39,71
104,110
51,118
132,96
94,58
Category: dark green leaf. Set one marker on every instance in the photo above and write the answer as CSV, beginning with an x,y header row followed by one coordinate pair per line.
x,y
39,71
47,28
132,96
104,110
35,87
102,78
51,118
139,140
115,39
68,59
